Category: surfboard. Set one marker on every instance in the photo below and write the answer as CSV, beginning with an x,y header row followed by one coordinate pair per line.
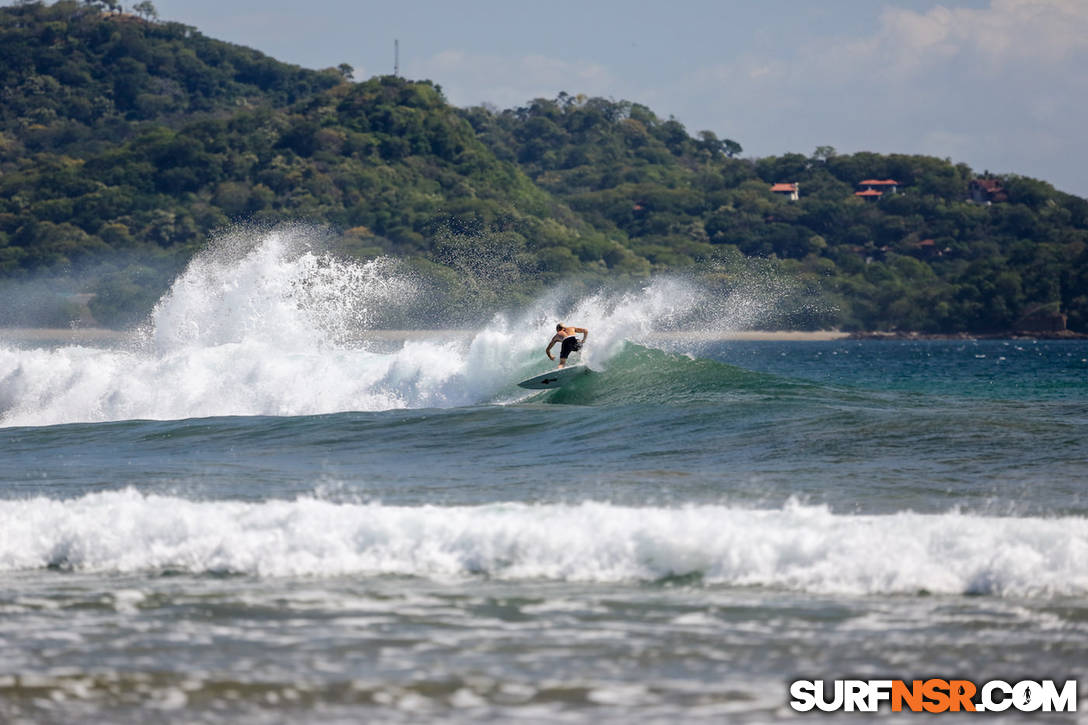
x,y
554,378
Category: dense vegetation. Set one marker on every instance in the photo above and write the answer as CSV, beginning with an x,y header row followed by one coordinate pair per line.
x,y
125,143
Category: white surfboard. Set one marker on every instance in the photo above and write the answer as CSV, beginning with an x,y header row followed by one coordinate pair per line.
x,y
554,378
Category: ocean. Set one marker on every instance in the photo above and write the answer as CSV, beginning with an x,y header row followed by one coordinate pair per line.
x,y
260,508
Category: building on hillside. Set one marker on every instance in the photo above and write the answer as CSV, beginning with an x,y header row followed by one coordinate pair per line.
x,y
869,194
884,186
987,191
925,249
787,189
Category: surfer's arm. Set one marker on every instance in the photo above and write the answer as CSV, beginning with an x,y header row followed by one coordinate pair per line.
x,y
548,349
584,331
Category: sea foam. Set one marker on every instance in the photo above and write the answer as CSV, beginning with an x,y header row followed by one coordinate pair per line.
x,y
796,547
262,324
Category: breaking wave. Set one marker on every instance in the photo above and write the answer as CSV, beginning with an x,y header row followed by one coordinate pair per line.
x,y
261,324
797,547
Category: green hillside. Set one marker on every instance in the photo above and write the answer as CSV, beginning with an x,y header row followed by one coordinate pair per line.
x,y
126,143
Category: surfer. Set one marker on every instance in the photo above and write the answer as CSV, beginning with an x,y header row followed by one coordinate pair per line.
x,y
566,337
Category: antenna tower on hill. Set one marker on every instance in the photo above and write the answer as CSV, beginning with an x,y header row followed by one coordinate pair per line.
x,y
396,58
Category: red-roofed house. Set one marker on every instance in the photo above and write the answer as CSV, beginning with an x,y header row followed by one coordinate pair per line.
x,y
869,194
787,189
985,191
884,186
928,248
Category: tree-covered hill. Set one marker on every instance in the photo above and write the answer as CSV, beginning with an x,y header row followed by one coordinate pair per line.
x,y
125,143
77,80
924,258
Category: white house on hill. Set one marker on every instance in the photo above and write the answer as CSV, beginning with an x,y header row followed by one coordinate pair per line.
x,y
787,189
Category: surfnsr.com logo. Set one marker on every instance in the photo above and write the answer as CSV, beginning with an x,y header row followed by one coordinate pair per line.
x,y
933,695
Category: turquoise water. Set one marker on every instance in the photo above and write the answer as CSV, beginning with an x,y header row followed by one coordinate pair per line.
x,y
250,513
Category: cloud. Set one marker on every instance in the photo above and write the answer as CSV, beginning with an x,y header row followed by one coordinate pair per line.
x,y
1000,87
1010,36
1037,32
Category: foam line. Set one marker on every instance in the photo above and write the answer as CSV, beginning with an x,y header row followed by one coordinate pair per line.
x,y
796,547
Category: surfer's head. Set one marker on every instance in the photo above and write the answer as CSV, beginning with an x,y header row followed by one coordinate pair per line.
x,y
560,326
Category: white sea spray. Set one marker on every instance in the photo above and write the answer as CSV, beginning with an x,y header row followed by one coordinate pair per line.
x,y
264,323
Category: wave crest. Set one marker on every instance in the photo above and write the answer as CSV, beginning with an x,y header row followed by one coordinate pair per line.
x,y
797,547
263,325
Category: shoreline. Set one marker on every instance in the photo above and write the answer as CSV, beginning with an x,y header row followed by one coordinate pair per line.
x,y
80,335
1010,335
61,334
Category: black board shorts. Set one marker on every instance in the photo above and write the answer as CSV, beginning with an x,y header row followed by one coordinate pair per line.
x,y
570,344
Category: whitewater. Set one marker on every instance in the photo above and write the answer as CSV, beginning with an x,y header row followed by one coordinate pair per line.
x,y
252,316
798,547
264,505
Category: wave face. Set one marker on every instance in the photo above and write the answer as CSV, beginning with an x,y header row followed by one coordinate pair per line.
x,y
795,547
264,325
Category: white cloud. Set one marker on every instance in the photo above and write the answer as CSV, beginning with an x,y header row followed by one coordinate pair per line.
x,y
1000,87
1010,34
1009,31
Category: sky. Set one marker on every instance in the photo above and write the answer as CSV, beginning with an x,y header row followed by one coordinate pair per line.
x,y
998,84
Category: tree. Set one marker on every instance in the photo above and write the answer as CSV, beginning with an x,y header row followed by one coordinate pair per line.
x,y
709,141
146,10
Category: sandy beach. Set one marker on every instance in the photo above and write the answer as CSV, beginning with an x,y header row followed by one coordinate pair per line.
x,y
60,335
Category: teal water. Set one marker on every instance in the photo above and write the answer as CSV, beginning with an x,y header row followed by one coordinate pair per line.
x,y
248,518
854,426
